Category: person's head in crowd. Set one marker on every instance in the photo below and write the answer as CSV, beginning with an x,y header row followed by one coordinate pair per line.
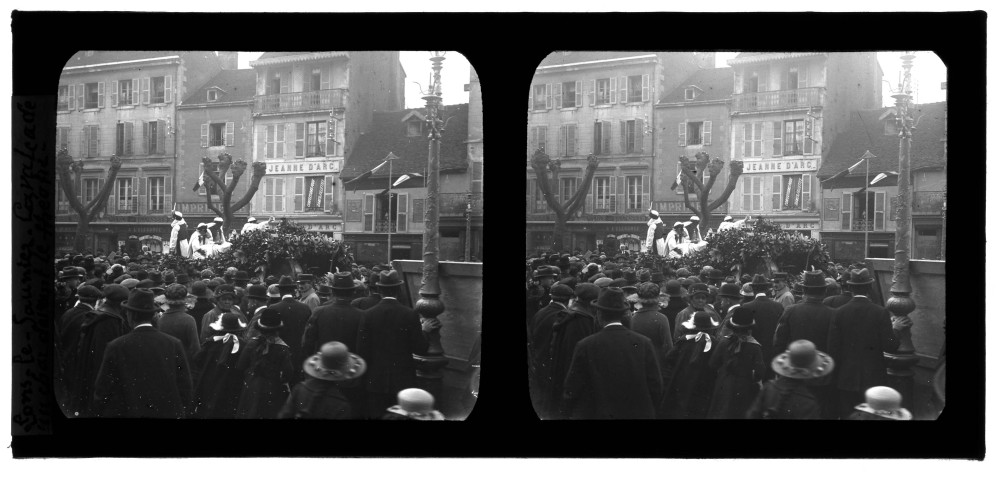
x,y
699,294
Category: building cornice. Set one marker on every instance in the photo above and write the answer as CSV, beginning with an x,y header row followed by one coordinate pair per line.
x,y
296,58
771,56
641,59
97,67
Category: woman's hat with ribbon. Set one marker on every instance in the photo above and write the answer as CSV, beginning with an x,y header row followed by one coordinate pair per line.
x,y
803,361
228,323
334,363
700,322
269,321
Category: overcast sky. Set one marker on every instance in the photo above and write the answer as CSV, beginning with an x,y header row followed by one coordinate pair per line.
x,y
417,66
928,72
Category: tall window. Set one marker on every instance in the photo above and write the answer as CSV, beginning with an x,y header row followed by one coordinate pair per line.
x,y
316,138
120,139
155,133
791,192
751,193
155,191
314,193
569,94
603,95
634,89
90,190
537,139
92,139
634,192
694,133
91,95
540,97
753,139
567,188
125,195
603,194
603,138
793,137
64,98
125,92
567,143
275,141
216,134
157,90
630,136
274,195
62,138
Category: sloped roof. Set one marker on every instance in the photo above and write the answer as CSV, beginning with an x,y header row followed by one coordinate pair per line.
x,y
562,58
80,59
388,133
714,83
850,145
236,85
272,58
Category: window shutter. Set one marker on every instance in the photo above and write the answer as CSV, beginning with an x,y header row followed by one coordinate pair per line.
x,y
133,93
146,91
646,88
71,97
113,93
533,140
325,78
229,133
168,192
280,198
111,206
777,139
97,140
549,96
592,93
681,134
622,136
329,194
808,133
757,195
402,201
283,82
607,137
572,140
205,135
777,192
298,196
646,196
619,193
146,138
846,211
623,91
145,195
80,96
168,88
130,138
136,194
562,141
322,137
806,201
707,132
161,136
878,210
300,140
638,136
84,140
577,93
590,198
369,211
612,90
802,76
558,96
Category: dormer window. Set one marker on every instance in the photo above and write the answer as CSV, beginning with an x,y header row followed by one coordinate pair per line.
x,y
413,122
212,95
690,94
414,128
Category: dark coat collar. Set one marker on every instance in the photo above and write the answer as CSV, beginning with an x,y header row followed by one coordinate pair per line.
x,y
389,301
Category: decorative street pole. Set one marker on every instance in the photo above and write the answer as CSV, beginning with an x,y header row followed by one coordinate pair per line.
x,y
429,306
899,364
469,218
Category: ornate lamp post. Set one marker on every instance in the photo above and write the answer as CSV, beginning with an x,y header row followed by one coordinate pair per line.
x,y
899,363
429,306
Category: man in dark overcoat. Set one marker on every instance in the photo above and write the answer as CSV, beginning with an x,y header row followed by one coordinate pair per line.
x,y
836,301
767,312
569,328
538,295
337,322
676,302
365,303
67,337
96,332
614,373
860,332
538,331
390,333
650,323
295,315
145,372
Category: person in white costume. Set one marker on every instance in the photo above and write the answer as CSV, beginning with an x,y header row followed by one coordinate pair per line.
x,y
652,226
729,223
175,227
199,240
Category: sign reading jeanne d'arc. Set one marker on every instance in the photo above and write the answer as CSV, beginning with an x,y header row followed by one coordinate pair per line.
x,y
322,166
322,227
798,225
767,166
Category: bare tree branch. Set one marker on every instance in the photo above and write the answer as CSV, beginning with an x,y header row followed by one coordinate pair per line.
x,y
259,170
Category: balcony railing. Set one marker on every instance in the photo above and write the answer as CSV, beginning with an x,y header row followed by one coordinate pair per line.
x,y
862,226
782,99
454,204
385,227
927,202
301,101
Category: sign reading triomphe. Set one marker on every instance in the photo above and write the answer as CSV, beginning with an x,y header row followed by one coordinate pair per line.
x,y
321,166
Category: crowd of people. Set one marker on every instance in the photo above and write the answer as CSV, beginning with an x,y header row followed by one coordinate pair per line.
x,y
608,339
133,340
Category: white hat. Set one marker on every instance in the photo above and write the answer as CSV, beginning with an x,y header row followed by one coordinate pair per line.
x,y
728,218
201,225
677,224
178,215
693,218
251,219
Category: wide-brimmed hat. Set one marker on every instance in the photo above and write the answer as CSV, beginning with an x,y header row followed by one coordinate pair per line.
x,y
860,277
700,322
68,273
561,291
814,279
803,360
344,282
176,294
677,225
241,276
228,323
416,404
654,214
699,288
141,300
673,288
389,278
269,321
731,290
306,277
586,292
286,283
630,276
884,402
742,317
334,363
728,218
611,299
759,280
225,289
257,292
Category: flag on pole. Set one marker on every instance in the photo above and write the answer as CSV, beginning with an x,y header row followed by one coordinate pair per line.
x,y
370,173
199,180
678,180
878,178
407,176
849,170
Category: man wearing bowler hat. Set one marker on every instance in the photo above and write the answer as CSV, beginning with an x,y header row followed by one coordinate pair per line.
x,y
569,327
67,336
614,374
144,373
294,314
365,303
389,334
307,294
860,332
766,312
539,331
96,332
